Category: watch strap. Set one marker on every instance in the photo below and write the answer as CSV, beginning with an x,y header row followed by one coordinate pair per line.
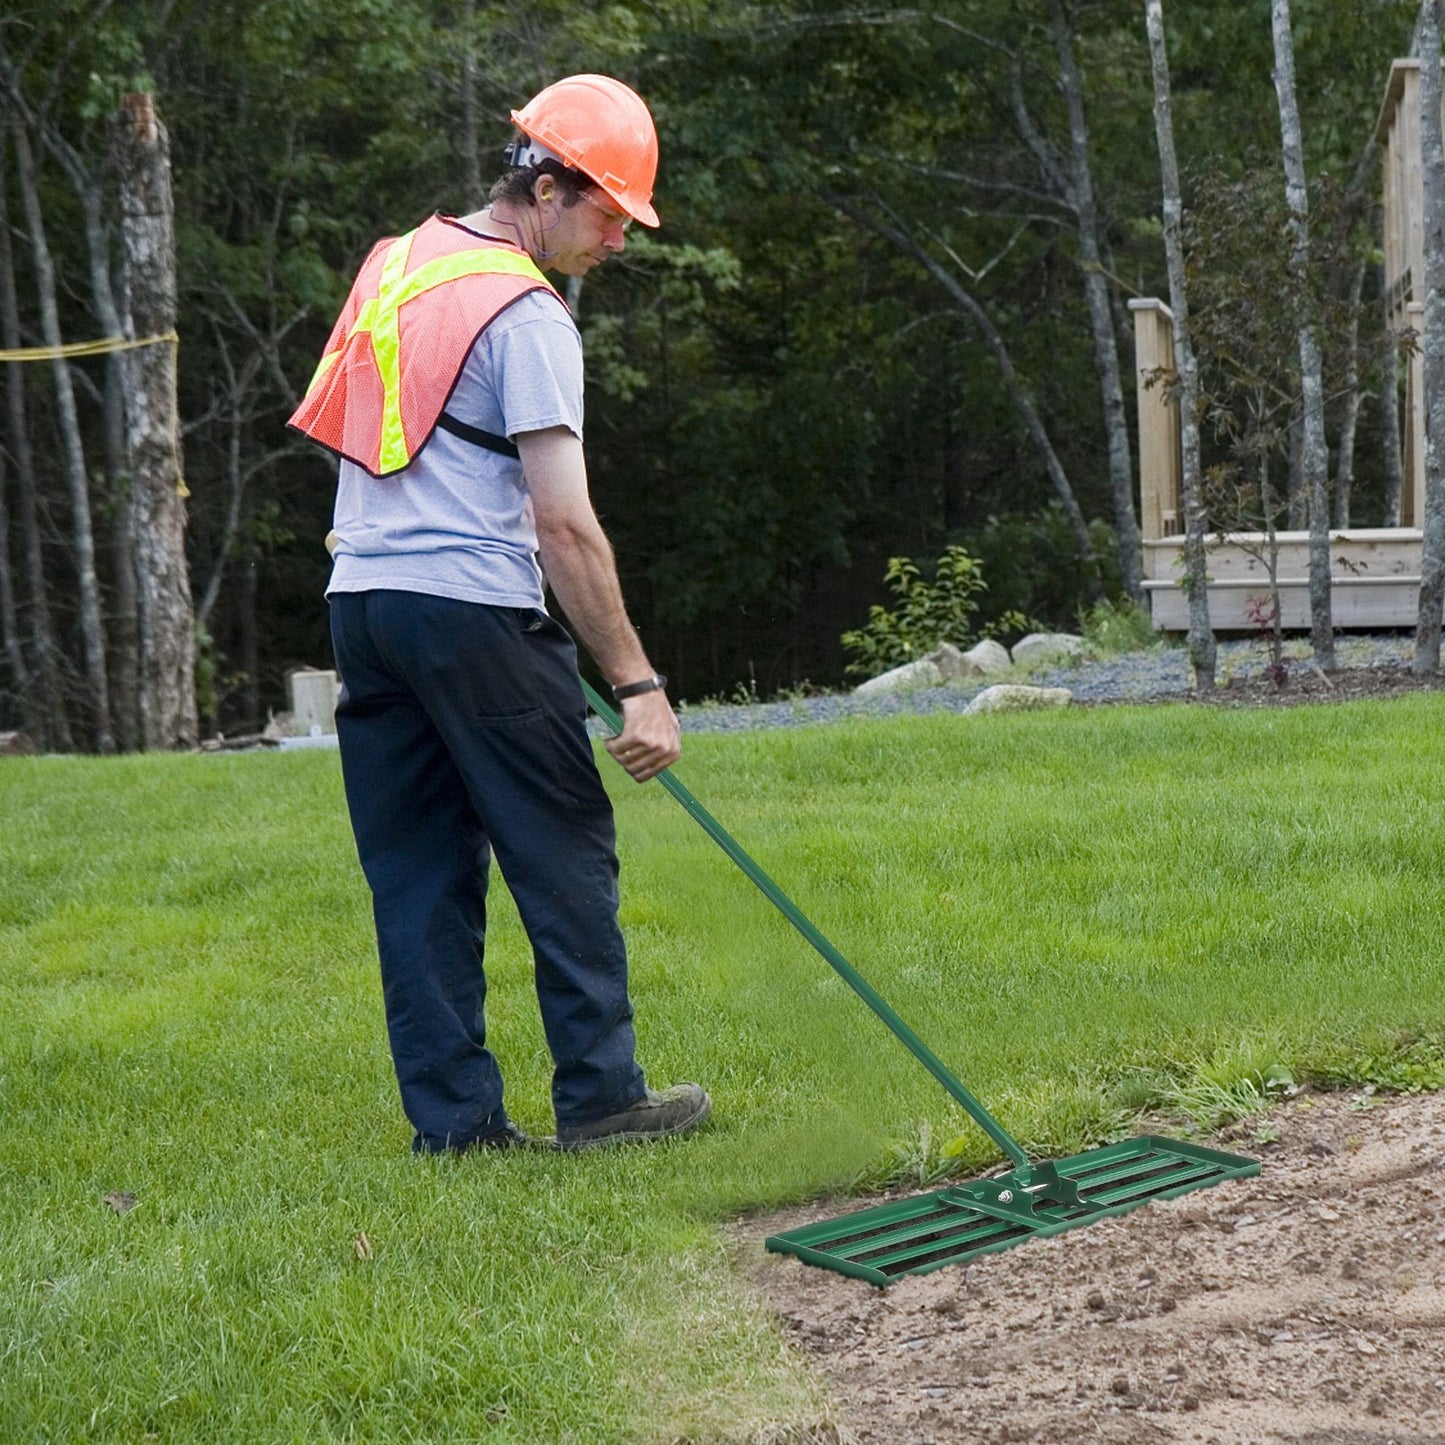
x,y
655,683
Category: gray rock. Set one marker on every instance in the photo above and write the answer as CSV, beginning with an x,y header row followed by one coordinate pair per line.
x,y
1048,647
953,663
923,673
1014,697
989,657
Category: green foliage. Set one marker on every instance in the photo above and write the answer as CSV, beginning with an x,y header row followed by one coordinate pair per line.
x,y
926,612
1111,627
1031,562
778,403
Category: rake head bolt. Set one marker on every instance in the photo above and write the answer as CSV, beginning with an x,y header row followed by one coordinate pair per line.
x,y
1005,1196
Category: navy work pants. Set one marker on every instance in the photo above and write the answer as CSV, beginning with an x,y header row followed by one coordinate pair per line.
x,y
463,733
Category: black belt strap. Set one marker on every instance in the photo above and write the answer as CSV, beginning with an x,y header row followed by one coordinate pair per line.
x,y
477,436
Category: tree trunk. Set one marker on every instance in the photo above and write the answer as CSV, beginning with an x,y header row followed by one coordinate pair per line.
x,y
1101,320
1432,148
167,622
125,632
10,622
47,722
249,628
1269,510
239,387
121,612
1196,579
1390,421
1350,418
471,146
92,629
1312,385
1297,501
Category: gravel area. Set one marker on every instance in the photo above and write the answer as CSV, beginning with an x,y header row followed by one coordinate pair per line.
x,y
1160,674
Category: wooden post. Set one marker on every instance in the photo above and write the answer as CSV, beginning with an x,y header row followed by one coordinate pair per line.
x,y
165,614
1159,460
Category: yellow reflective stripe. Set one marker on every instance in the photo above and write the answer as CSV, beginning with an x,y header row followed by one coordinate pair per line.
x,y
322,367
386,343
362,323
467,263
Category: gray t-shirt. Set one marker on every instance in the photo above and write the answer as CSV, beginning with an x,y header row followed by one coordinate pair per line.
x,y
458,521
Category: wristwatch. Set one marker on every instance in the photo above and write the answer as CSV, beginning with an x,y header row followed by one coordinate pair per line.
x,y
655,683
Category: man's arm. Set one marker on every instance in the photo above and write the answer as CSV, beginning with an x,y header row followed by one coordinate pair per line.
x,y
577,560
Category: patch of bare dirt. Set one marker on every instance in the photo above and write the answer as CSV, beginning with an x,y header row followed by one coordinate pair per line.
x,y
1305,1307
1304,683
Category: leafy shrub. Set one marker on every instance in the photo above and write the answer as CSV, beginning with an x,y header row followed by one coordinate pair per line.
x,y
928,611
1115,627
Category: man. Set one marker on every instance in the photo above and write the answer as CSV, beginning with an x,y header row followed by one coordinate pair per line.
x,y
452,390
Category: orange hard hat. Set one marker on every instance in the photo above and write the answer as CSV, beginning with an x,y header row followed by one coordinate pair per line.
x,y
602,128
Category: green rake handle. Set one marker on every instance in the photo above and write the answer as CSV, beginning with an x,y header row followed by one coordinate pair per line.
x,y
844,969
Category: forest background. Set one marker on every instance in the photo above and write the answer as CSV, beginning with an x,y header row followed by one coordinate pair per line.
x,y
896,252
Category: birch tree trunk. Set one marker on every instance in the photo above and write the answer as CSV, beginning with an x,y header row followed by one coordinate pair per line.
x,y
1390,421
239,387
1357,205
167,621
10,619
51,729
1297,506
123,630
471,146
1196,576
1432,148
1312,385
1350,418
92,629
1101,319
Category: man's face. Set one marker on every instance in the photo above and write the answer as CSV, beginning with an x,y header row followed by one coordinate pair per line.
x,y
584,235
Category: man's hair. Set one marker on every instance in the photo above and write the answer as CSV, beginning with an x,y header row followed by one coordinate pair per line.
x,y
518,183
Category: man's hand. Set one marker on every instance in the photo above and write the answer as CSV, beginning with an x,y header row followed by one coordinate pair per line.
x,y
650,739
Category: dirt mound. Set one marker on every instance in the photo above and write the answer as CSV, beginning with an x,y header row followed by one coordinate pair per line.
x,y
1305,1306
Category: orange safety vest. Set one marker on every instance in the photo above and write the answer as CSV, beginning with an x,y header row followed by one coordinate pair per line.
x,y
415,311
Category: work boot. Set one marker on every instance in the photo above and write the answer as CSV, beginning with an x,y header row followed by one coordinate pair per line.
x,y
654,1116
509,1136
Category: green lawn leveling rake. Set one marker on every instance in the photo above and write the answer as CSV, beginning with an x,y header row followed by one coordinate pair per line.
x,y
952,1225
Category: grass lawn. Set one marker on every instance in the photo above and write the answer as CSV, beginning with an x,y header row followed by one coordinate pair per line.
x,y
1084,913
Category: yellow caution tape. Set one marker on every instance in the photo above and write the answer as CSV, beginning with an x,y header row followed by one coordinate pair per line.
x,y
86,348
101,348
